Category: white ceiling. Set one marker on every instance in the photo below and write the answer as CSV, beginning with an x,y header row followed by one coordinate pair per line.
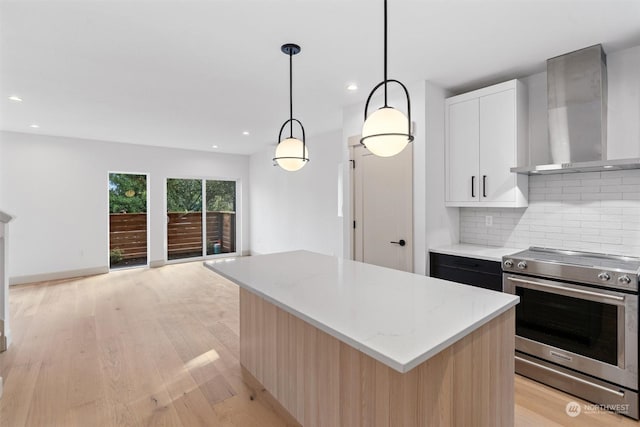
x,y
192,74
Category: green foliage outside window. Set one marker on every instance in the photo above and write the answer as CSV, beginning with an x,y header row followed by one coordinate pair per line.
x,y
127,193
221,196
185,195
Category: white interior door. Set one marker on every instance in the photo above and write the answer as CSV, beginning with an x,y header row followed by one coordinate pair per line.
x,y
383,208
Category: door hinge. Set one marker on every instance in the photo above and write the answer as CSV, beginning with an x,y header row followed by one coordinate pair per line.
x,y
353,164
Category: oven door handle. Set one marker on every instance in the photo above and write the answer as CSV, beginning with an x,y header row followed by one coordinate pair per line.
x,y
543,286
574,378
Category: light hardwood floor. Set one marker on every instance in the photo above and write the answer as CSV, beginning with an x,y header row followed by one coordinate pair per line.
x,y
160,347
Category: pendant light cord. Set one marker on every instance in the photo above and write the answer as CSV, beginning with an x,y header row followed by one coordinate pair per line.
x,y
385,53
287,147
291,93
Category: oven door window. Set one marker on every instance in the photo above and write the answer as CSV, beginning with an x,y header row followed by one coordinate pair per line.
x,y
580,326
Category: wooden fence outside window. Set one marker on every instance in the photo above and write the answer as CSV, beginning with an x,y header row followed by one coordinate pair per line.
x,y
128,232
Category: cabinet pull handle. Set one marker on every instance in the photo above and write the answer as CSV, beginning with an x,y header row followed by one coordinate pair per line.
x,y
473,185
484,185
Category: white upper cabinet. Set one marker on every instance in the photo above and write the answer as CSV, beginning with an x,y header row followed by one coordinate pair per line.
x,y
486,136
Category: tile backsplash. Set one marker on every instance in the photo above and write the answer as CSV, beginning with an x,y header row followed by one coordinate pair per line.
x,y
592,211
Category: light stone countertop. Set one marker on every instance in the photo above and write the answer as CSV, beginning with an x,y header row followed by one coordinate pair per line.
x,y
400,319
489,253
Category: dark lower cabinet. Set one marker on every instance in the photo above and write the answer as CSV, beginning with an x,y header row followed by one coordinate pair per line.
x,y
470,271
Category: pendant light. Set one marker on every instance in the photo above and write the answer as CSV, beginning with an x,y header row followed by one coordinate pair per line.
x,y
291,153
386,131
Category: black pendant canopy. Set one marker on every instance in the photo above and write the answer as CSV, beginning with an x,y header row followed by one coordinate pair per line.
x,y
291,153
386,131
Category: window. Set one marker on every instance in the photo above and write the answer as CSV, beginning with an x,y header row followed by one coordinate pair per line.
x,y
194,232
127,220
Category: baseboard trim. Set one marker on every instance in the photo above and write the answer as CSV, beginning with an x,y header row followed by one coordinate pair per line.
x,y
68,274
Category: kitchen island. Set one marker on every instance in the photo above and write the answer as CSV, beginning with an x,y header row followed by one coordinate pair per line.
x,y
339,342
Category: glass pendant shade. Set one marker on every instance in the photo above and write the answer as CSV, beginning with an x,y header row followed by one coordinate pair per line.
x,y
385,132
289,154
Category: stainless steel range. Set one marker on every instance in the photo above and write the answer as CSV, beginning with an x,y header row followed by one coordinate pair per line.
x,y
577,323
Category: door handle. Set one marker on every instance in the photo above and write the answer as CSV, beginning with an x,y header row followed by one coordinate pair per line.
x,y
473,185
400,242
484,185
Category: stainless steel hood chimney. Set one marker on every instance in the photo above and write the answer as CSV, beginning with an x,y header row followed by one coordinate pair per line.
x,y
577,114
577,106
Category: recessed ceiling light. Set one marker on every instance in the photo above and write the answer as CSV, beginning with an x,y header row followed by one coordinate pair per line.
x,y
608,166
352,87
214,146
245,133
33,125
15,98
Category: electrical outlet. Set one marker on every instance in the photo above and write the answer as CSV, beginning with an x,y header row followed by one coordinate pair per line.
x,y
488,221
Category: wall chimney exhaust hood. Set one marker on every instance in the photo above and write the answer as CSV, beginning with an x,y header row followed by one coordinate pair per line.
x,y
577,114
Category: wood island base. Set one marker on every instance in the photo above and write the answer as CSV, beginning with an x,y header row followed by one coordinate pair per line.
x,y
322,381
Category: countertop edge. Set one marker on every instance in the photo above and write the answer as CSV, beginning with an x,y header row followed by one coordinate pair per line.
x,y
397,366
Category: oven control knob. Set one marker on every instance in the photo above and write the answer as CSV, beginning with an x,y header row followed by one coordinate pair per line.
x,y
624,280
604,276
522,265
508,263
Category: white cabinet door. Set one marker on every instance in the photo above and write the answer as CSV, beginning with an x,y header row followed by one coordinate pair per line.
x,y
497,147
486,135
462,151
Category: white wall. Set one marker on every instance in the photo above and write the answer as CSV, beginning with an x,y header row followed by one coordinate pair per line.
x,y
4,289
442,223
57,189
298,210
539,150
352,120
2,206
623,133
